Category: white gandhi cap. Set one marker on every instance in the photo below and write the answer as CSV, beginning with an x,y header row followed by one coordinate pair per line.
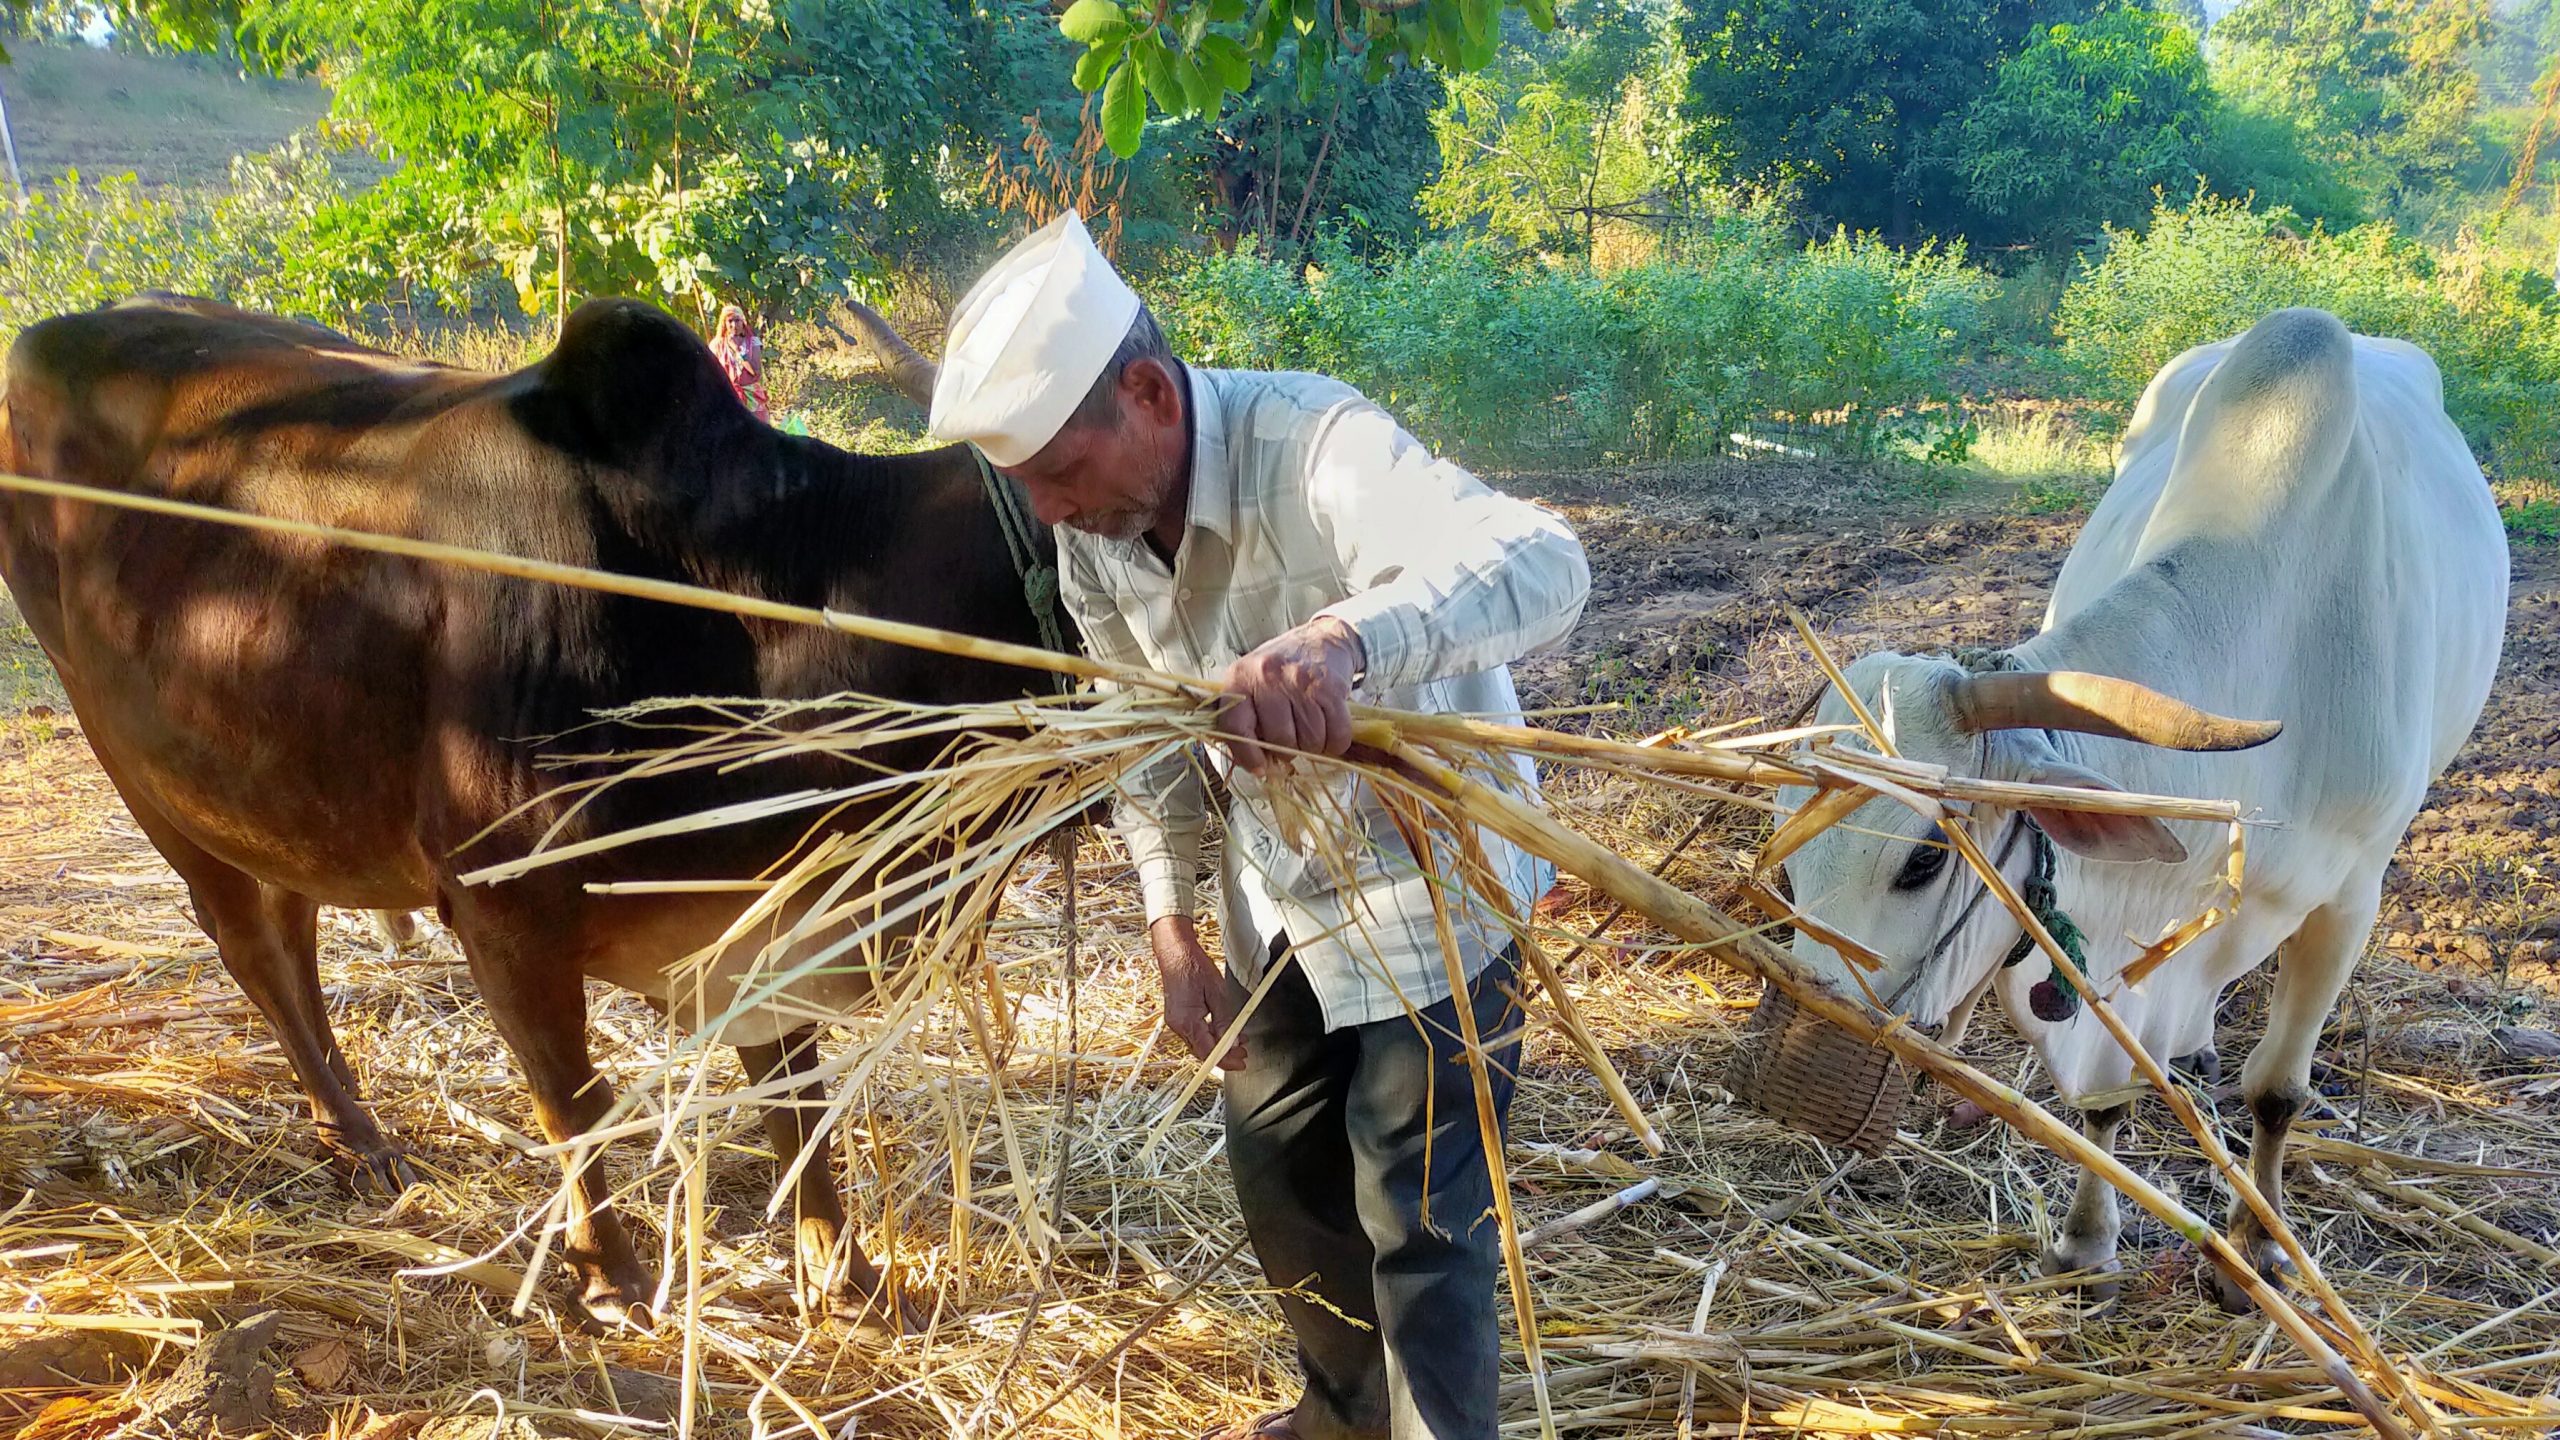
x,y
1027,342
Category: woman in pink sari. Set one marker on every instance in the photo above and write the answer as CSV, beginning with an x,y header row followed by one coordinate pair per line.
x,y
741,357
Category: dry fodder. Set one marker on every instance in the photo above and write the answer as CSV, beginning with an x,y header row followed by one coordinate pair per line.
x,y
158,1136
1887,1348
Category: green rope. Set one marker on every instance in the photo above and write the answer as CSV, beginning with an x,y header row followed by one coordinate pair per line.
x,y
1022,541
2054,998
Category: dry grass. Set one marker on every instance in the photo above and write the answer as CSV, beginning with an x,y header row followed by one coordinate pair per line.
x,y
1051,1184
155,1129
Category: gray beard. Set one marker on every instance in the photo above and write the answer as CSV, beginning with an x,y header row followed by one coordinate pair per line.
x,y
1120,525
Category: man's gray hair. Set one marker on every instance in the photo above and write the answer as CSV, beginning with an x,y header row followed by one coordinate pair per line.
x,y
1145,341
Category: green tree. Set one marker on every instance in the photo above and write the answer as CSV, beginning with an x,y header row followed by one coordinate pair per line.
x,y
2082,126
2381,89
1569,134
772,151
1185,57
1279,167
1843,99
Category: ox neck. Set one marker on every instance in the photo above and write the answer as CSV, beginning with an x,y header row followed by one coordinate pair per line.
x,y
802,522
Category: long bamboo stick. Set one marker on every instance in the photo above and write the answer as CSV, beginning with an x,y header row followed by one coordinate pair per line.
x,y
1694,920
1457,729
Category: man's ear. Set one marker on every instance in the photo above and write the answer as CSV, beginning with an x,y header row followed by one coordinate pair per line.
x,y
2086,832
1148,386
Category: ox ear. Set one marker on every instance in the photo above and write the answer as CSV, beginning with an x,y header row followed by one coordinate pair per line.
x,y
2124,838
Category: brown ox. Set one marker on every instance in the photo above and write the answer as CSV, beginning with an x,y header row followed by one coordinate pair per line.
x,y
296,725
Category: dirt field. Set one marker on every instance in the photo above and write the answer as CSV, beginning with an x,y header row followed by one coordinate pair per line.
x,y
160,1187
170,120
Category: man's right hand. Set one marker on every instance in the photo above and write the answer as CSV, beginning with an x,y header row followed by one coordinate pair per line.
x,y
1195,990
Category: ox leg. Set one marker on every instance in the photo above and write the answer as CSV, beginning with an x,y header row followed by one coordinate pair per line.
x,y
274,952
269,939
2311,968
2090,1229
541,1012
833,1274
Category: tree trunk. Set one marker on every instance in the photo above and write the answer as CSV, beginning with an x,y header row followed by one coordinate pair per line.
x,y
9,143
910,373
560,274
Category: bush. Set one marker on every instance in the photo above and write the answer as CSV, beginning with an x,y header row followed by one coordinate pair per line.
x,y
285,235
2212,269
1505,359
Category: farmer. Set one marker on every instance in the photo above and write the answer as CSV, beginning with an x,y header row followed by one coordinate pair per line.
x,y
741,357
1282,534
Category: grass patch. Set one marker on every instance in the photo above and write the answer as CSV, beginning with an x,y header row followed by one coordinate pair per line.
x,y
26,676
2531,509
173,120
2052,458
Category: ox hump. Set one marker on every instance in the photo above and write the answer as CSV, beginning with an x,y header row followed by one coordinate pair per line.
x,y
2273,421
630,387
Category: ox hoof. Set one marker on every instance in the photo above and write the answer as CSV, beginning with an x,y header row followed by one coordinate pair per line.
x,y
388,1170
2203,1069
2106,1272
2272,1266
377,1166
888,1315
619,1307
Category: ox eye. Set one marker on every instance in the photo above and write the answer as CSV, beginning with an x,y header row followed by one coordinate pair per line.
x,y
1928,857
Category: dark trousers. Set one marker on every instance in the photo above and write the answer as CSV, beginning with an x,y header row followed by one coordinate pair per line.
x,y
1359,1163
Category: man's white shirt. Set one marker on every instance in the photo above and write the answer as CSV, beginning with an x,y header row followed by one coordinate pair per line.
x,y
1307,500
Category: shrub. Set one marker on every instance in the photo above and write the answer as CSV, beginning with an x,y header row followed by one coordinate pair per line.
x,y
2211,269
1506,359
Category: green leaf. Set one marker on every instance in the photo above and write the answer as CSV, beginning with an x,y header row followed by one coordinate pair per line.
x,y
1094,22
1195,26
1124,110
1542,13
1225,59
1155,67
1199,88
1095,64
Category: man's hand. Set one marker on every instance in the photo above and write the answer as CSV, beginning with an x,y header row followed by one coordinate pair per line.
x,y
1195,990
1293,693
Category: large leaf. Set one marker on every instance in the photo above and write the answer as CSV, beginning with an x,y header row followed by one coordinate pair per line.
x,y
1225,59
1094,22
1094,65
1155,67
1124,110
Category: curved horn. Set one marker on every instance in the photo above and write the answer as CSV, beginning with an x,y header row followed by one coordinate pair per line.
x,y
2098,705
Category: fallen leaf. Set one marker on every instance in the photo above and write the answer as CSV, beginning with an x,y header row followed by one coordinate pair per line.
x,y
326,1366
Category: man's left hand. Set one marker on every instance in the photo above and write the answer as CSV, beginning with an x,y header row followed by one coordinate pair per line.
x,y
1293,693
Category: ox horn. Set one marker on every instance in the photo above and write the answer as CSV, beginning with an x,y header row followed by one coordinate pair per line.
x,y
2098,705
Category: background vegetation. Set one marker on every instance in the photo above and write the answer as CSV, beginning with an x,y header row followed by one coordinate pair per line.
x,y
1948,232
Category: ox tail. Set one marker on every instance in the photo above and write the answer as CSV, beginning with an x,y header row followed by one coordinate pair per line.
x,y
2270,426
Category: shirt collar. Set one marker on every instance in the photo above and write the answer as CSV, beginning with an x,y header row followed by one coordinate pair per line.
x,y
1212,505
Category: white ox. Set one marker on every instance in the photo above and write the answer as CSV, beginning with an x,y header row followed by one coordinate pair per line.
x,y
2296,532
